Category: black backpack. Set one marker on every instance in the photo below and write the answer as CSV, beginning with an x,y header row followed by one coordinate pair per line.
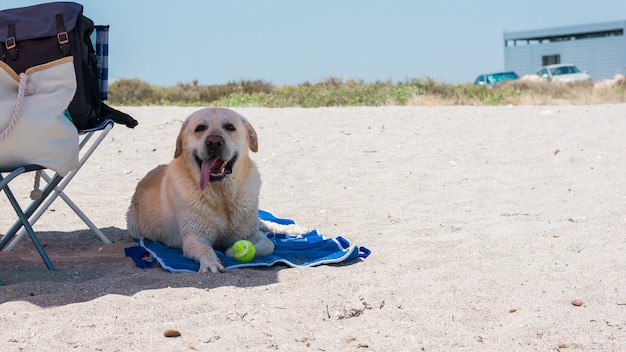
x,y
38,34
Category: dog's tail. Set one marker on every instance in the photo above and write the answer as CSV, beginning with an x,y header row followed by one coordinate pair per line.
x,y
293,229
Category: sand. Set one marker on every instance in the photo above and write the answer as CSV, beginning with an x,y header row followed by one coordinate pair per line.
x,y
491,229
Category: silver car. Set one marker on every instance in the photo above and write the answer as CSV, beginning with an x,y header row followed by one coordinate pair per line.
x,y
563,73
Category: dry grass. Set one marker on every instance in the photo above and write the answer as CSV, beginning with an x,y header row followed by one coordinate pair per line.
x,y
336,92
552,93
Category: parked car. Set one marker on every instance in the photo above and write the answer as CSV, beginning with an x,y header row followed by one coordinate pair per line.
x,y
492,78
563,73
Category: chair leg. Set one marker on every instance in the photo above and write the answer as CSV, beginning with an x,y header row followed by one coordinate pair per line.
x,y
77,210
23,220
85,219
59,190
26,219
8,236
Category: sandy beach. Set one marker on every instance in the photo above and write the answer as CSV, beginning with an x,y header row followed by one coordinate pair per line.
x,y
491,229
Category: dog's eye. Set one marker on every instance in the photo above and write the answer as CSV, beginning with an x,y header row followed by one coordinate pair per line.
x,y
200,128
229,127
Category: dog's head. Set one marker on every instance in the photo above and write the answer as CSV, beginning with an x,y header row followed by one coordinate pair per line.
x,y
214,140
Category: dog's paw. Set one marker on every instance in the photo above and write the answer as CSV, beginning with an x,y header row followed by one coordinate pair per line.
x,y
212,265
229,252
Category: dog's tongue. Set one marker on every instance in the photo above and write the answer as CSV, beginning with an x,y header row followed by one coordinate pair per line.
x,y
211,166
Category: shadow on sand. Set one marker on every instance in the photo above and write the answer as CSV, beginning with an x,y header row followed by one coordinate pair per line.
x,y
86,269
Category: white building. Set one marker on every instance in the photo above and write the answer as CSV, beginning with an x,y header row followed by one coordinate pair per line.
x,y
599,49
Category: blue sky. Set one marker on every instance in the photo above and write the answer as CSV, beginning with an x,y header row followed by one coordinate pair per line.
x,y
296,41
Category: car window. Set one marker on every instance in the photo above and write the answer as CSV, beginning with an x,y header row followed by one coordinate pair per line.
x,y
574,69
494,78
542,72
508,75
564,70
497,78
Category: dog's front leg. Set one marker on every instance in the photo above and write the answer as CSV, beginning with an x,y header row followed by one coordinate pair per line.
x,y
200,250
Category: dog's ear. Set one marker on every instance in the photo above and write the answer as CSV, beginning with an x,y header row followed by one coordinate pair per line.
x,y
253,141
179,140
179,147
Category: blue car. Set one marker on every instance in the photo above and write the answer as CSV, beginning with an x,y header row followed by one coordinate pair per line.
x,y
490,79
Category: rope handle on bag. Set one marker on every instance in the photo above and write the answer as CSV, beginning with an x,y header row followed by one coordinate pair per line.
x,y
21,91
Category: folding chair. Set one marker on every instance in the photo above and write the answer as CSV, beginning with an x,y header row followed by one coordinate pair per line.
x,y
56,184
54,188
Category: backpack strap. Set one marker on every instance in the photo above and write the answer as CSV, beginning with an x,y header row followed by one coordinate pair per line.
x,y
11,43
62,37
117,116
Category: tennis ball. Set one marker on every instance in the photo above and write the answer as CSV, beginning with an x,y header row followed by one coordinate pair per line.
x,y
243,251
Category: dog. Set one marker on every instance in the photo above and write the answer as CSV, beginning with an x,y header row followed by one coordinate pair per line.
x,y
207,197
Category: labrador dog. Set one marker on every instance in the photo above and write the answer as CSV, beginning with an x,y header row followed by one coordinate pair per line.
x,y
207,197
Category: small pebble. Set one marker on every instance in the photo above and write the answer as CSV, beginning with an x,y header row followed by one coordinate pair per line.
x,y
171,333
577,302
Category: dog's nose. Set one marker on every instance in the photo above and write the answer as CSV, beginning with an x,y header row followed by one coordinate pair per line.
x,y
214,142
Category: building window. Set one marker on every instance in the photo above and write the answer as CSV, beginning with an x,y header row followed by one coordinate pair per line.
x,y
550,60
565,37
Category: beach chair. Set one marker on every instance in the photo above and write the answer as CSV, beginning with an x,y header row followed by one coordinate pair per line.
x,y
55,184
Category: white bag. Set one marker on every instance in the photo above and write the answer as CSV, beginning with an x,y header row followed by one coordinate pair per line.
x,y
33,125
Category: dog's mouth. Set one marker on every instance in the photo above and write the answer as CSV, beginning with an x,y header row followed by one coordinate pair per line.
x,y
214,170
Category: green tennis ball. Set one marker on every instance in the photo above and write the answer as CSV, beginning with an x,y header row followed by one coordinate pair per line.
x,y
243,251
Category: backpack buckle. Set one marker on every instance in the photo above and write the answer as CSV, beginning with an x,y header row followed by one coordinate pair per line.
x,y
63,38
10,43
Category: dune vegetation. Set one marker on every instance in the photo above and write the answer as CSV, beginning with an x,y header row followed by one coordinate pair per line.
x,y
339,92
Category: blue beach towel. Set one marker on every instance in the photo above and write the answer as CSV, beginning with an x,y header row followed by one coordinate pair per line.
x,y
310,249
